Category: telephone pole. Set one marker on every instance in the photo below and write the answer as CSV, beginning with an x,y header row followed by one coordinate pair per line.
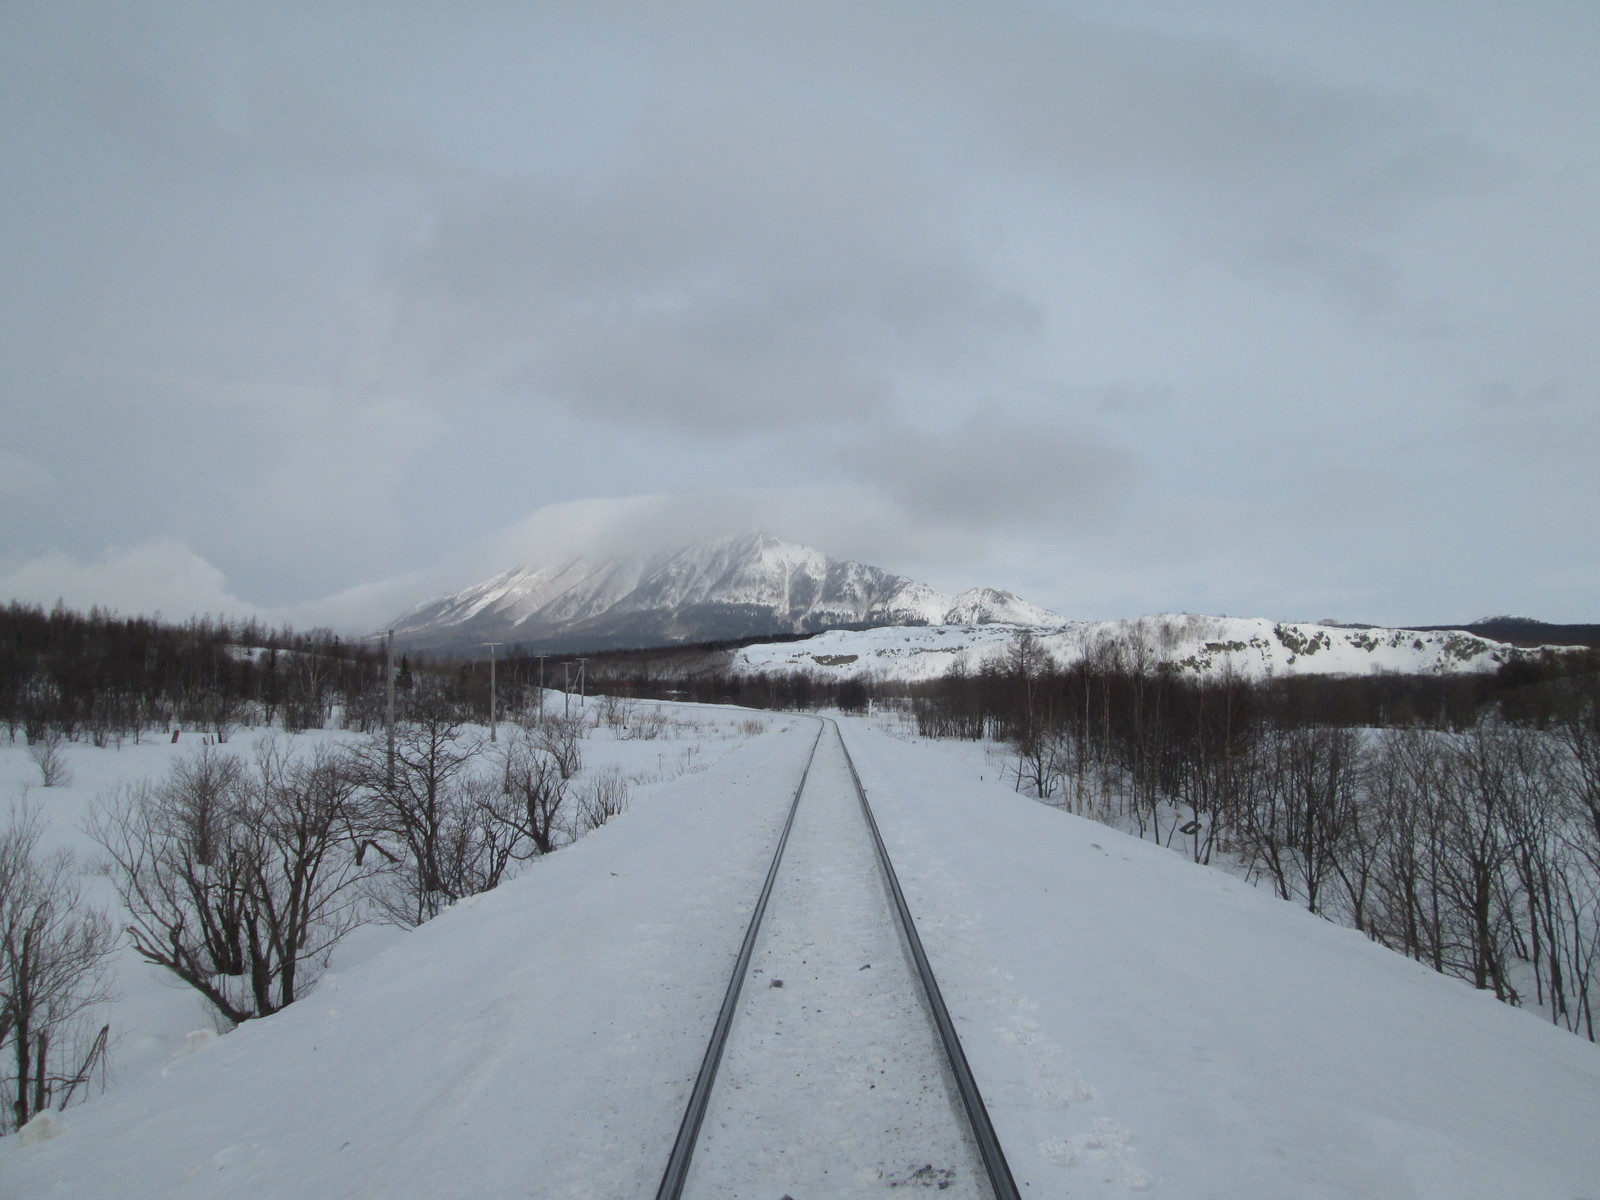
x,y
388,717
389,707
492,725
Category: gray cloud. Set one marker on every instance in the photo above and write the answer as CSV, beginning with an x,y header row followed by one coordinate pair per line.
x,y
754,269
998,471
1119,303
159,576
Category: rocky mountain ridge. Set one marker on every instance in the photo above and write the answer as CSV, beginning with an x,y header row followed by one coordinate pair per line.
x,y
750,585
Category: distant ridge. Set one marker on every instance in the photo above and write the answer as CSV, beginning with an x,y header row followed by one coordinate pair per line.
x,y
749,585
1525,631
1188,644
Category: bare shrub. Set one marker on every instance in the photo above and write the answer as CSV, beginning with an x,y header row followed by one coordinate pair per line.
x,y
602,798
562,739
49,755
613,711
650,725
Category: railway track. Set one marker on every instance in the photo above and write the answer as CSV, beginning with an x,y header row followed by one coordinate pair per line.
x,y
833,1067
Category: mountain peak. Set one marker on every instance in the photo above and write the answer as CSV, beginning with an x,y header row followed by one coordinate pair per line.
x,y
750,584
993,606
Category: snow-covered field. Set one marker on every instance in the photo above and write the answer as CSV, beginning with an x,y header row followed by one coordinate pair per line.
x,y
1136,1023
1253,647
155,1015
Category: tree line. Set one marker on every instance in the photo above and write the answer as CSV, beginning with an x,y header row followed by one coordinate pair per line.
x,y
103,678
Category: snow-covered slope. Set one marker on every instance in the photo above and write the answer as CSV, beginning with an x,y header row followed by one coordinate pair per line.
x,y
747,585
990,606
1252,647
1137,1024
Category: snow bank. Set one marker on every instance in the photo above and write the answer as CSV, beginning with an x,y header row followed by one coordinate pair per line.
x,y
1136,1021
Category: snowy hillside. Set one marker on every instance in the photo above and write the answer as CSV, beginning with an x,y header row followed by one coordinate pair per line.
x,y
747,585
1255,648
1138,1025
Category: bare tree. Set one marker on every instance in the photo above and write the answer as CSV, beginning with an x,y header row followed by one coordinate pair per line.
x,y
416,814
1488,774
481,838
53,951
1031,733
1577,766
535,790
303,873
307,678
562,739
613,710
237,880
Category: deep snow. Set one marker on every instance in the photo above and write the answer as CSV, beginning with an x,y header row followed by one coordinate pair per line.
x,y
1136,1023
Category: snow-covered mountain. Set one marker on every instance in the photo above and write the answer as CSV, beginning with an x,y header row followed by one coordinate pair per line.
x,y
1253,647
989,606
743,586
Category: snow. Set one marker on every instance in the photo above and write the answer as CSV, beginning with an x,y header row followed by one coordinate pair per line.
x,y
797,586
41,1128
1252,647
1137,1024
985,606
541,1038
831,1025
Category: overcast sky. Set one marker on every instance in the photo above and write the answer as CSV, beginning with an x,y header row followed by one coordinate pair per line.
x,y
1240,306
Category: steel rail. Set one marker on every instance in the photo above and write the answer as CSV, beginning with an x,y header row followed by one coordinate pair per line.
x,y
994,1159
988,1143
677,1171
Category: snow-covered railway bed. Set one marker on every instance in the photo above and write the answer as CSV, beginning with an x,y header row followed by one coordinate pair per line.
x,y
834,1079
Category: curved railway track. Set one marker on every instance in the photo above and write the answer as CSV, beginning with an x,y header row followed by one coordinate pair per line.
x,y
966,1100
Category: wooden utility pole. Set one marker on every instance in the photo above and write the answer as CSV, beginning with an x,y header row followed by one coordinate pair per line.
x,y
492,724
388,716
